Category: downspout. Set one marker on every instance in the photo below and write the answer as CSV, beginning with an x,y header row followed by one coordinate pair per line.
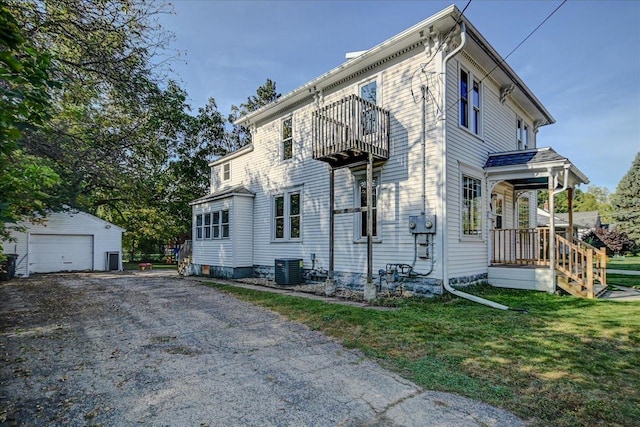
x,y
552,225
445,272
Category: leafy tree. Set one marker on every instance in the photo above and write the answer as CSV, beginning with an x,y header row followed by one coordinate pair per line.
x,y
626,202
25,86
594,199
240,136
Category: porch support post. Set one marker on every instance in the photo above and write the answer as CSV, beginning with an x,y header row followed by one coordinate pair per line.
x,y
330,285
552,228
369,287
570,233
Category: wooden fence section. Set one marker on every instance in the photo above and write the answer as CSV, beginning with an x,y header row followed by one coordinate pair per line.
x,y
522,246
348,128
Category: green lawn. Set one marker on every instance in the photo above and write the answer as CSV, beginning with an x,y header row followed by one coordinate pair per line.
x,y
624,263
568,362
624,280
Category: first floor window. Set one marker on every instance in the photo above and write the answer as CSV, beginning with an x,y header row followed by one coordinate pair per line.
x,y
523,212
207,226
498,210
362,203
471,206
212,225
287,215
224,224
199,227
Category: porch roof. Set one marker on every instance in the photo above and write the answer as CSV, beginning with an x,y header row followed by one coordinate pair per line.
x,y
531,169
223,194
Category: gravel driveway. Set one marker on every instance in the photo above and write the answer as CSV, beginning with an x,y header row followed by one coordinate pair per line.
x,y
151,348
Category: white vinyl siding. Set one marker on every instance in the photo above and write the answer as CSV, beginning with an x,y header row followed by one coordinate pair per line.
x,y
65,233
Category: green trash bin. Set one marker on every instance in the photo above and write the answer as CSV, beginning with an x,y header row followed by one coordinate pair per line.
x,y
8,267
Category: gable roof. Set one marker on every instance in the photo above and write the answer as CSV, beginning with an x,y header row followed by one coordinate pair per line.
x,y
403,42
589,219
239,190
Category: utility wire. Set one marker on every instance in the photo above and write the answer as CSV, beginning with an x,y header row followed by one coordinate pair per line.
x,y
455,104
423,66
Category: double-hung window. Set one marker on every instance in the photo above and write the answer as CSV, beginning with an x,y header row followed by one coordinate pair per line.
x,y
471,206
470,102
199,221
287,138
287,216
207,226
226,171
522,134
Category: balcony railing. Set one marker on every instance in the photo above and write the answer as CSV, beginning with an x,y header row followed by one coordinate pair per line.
x,y
347,130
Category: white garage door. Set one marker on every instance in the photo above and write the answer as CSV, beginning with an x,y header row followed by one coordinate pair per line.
x,y
60,252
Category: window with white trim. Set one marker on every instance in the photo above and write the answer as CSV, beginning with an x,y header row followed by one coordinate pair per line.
x,y
287,138
361,202
498,210
207,226
470,102
471,206
287,216
199,232
369,92
523,212
226,171
522,134
212,225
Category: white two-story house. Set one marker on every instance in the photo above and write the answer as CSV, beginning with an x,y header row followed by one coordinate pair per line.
x,y
415,163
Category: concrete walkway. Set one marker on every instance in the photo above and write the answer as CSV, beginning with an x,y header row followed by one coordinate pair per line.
x,y
627,272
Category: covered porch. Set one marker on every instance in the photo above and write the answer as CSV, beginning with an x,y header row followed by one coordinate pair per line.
x,y
522,256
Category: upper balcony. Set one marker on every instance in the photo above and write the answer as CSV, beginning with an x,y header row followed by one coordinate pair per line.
x,y
346,131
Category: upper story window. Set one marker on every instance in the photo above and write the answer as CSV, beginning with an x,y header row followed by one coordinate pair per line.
x,y
522,134
287,138
287,216
471,206
226,171
470,102
369,92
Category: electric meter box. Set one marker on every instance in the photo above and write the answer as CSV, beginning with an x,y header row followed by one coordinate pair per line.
x,y
422,224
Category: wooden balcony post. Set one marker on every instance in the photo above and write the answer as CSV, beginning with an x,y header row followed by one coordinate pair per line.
x,y
589,268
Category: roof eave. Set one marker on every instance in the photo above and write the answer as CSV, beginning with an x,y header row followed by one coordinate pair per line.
x,y
372,55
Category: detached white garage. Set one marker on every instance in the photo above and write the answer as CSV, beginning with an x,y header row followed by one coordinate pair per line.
x,y
67,241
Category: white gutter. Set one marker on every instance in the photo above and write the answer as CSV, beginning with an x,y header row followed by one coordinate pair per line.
x,y
445,272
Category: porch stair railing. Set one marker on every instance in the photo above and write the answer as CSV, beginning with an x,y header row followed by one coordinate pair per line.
x,y
580,267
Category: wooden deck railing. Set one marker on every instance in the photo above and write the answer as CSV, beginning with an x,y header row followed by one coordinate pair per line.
x,y
524,246
349,127
581,264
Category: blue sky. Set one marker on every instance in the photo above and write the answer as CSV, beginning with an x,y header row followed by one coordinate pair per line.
x,y
583,64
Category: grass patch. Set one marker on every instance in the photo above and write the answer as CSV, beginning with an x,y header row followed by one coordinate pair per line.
x,y
134,265
568,362
624,263
632,281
